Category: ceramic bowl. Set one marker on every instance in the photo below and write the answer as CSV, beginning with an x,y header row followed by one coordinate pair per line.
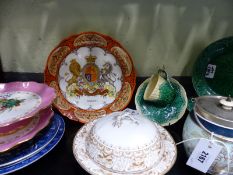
x,y
124,143
194,131
22,100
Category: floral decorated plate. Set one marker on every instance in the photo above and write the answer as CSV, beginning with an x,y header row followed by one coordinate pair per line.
x,y
33,158
22,100
31,147
213,71
93,75
168,114
39,121
80,151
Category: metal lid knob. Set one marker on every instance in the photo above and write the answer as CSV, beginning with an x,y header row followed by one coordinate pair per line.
x,y
226,103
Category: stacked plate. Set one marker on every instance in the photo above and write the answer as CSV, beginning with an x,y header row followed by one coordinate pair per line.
x,y
28,127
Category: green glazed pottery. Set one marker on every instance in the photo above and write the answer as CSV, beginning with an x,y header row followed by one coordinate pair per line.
x,y
168,114
213,70
159,89
191,103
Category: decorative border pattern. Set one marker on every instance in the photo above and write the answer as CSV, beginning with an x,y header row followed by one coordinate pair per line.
x,y
90,39
80,152
31,159
39,122
31,147
124,161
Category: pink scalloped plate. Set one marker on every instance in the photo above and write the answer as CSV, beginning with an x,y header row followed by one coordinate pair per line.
x,y
22,100
38,122
12,128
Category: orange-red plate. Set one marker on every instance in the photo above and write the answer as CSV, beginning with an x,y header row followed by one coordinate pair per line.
x,y
92,74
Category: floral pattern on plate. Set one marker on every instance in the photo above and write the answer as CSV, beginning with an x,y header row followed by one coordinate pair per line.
x,y
22,100
16,104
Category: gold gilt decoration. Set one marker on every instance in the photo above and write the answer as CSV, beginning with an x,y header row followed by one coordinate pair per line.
x,y
91,59
123,99
24,130
85,117
12,131
62,104
90,39
124,59
54,85
111,157
75,69
55,58
88,155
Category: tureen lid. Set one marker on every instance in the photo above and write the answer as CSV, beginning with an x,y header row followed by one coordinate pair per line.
x,y
125,130
215,107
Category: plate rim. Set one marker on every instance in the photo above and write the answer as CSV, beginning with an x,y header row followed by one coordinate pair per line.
x,y
200,85
43,121
129,81
46,100
35,151
42,152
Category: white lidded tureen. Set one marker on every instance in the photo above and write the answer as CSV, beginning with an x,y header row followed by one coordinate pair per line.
x,y
124,143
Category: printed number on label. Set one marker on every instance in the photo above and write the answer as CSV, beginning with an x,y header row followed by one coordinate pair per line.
x,y
203,156
210,71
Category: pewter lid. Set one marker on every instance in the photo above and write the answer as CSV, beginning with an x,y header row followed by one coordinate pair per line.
x,y
215,107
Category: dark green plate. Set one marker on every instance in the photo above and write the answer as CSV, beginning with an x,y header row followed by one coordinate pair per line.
x,y
213,71
167,115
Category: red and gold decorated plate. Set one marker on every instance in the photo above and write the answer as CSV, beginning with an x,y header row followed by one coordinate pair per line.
x,y
92,74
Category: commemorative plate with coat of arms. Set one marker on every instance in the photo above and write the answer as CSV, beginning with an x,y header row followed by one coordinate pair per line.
x,y
93,75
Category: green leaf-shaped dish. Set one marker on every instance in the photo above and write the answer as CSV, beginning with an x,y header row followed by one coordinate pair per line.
x,y
213,70
167,115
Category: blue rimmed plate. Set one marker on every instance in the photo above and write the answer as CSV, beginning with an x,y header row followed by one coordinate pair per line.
x,y
28,154
31,147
